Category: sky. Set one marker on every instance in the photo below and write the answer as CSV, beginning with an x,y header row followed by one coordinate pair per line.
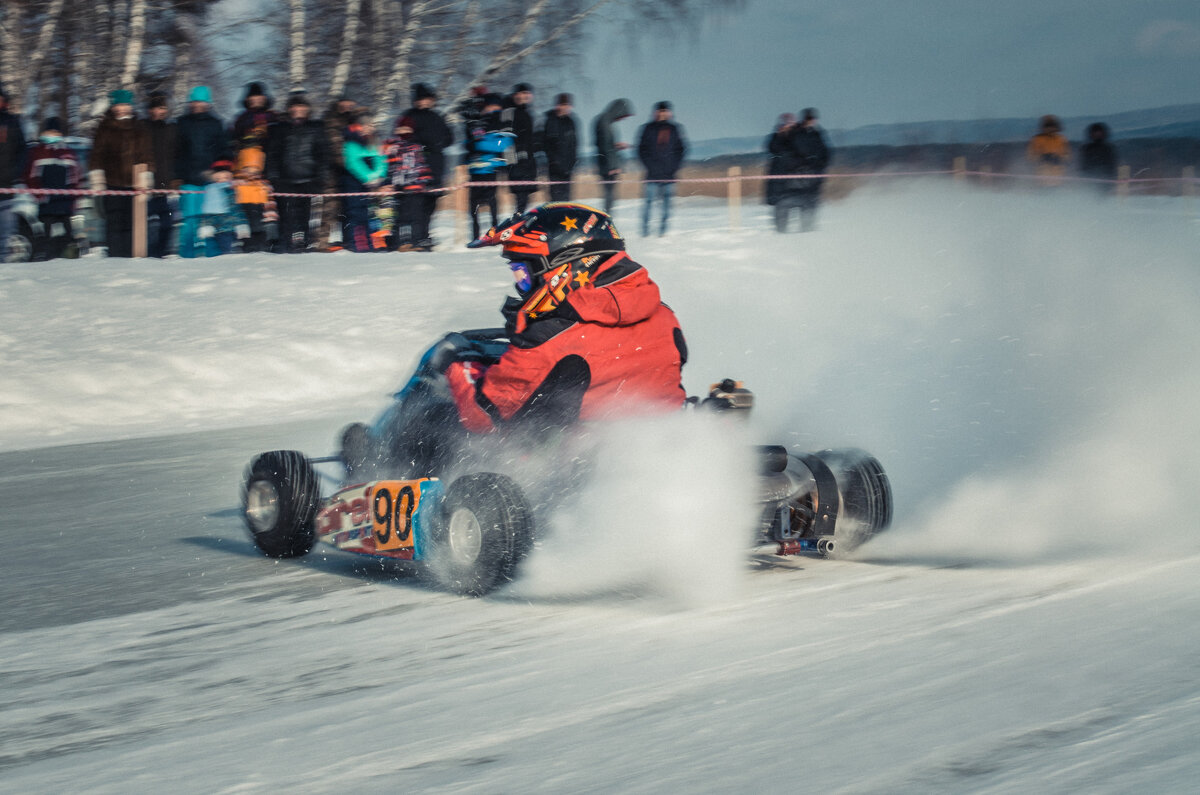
x,y
883,61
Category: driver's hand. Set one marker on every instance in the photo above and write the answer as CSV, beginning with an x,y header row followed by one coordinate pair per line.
x,y
467,374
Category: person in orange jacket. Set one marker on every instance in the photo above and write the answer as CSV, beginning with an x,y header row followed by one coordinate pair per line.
x,y
1049,151
253,197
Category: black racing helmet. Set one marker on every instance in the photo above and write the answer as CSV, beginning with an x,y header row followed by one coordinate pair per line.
x,y
554,234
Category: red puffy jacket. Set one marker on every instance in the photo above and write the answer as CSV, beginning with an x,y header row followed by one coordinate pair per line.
x,y
610,349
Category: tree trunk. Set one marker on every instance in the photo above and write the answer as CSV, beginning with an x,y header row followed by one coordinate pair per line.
x,y
137,40
11,59
296,68
341,72
461,42
398,76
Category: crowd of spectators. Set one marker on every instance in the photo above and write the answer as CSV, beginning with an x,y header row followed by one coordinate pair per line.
x,y
250,185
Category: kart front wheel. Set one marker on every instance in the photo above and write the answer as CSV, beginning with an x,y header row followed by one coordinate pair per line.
x,y
484,531
279,503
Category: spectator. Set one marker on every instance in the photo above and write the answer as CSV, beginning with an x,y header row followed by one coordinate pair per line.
x,y
51,164
297,162
121,142
12,164
806,152
518,117
253,194
608,148
1098,157
779,162
661,147
431,132
485,143
1049,150
409,176
365,172
200,141
560,142
337,118
252,126
159,214
221,220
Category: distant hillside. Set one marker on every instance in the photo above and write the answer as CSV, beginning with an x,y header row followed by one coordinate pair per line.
x,y
1172,121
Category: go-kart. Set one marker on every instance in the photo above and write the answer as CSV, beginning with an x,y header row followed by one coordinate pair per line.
x,y
413,486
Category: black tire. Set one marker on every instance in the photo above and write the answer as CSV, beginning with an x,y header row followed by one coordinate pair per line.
x,y
484,531
280,496
357,450
866,496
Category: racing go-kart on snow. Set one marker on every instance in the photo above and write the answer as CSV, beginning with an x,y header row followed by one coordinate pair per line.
x,y
399,491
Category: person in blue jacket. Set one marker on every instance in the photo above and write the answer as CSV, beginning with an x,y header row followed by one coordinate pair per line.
x,y
200,141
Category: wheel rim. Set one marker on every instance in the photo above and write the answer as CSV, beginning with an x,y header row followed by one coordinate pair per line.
x,y
262,506
464,536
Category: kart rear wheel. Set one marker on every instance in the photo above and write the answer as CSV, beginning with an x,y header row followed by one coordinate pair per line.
x,y
485,529
279,503
866,496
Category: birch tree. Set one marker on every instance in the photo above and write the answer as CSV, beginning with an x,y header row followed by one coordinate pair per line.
x,y
137,40
296,68
341,71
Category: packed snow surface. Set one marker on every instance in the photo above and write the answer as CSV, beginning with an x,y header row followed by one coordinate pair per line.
x,y
1024,365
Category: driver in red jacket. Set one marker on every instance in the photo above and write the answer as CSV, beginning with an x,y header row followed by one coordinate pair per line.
x,y
589,335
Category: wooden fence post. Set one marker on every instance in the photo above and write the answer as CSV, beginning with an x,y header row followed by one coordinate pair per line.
x,y
960,169
735,197
987,175
462,206
141,179
1123,182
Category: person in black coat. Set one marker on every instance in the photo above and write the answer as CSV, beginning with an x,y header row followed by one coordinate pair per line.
x,y
1098,157
200,141
12,165
560,142
781,160
518,117
297,162
431,131
160,216
661,147
806,152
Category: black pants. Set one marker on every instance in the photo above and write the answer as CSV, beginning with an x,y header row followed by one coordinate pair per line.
x,y
294,212
50,245
258,233
409,212
424,219
560,193
161,220
806,201
521,198
118,224
482,196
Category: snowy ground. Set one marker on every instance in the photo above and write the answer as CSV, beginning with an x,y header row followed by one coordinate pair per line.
x,y
1024,365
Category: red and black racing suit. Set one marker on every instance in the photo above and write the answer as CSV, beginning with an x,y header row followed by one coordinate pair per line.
x,y
610,349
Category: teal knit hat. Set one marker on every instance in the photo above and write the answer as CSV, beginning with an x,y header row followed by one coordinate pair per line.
x,y
200,94
120,97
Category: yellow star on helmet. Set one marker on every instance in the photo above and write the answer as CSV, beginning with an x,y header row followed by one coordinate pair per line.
x,y
582,279
568,222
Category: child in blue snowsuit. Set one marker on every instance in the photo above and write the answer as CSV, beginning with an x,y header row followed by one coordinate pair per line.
x,y
221,220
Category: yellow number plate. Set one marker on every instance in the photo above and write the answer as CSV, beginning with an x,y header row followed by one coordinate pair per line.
x,y
394,503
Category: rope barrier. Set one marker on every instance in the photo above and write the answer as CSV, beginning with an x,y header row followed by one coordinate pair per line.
x,y
38,192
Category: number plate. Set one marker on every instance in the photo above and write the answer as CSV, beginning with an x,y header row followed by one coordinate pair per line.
x,y
384,518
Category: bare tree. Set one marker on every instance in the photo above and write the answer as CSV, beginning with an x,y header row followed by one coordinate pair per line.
x,y
297,67
341,72
137,41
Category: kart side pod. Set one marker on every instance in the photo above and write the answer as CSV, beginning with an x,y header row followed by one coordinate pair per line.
x,y
822,501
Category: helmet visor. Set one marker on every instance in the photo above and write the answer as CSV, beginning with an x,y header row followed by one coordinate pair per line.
x,y
521,275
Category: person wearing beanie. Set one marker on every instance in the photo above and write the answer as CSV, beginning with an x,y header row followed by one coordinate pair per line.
x,y
121,142
430,130
780,162
12,165
200,140
366,172
250,128
560,142
221,222
409,175
160,216
52,165
518,117
337,117
805,152
661,148
485,142
298,161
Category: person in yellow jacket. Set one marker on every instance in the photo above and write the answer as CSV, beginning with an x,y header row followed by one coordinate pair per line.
x,y
254,198
1049,151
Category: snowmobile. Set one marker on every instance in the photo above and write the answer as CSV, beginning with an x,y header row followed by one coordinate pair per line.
x,y
402,492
